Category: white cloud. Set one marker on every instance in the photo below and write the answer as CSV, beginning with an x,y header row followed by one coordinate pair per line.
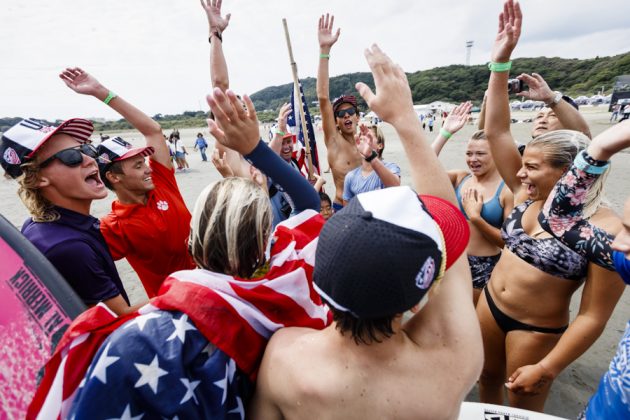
x,y
155,53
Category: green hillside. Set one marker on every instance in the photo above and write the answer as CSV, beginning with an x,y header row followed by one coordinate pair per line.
x,y
458,83
454,83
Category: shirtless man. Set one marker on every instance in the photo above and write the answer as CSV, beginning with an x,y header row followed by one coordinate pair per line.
x,y
339,120
365,364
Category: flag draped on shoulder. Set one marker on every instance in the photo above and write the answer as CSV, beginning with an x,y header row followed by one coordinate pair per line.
x,y
195,349
294,123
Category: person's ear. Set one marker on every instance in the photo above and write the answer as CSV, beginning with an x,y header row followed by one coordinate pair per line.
x,y
112,177
43,181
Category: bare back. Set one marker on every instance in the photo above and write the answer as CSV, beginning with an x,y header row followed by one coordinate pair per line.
x,y
321,374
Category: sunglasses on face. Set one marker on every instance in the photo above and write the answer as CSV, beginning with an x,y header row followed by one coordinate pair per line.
x,y
73,156
343,112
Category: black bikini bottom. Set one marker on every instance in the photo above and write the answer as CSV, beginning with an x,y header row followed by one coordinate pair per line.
x,y
507,323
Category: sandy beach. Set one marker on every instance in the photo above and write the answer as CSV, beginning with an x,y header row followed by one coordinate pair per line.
x,y
572,388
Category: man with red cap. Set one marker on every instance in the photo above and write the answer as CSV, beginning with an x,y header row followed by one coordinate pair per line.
x,y
59,178
339,119
376,259
149,223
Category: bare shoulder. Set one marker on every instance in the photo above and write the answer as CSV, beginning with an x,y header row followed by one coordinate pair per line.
x,y
456,176
287,345
606,218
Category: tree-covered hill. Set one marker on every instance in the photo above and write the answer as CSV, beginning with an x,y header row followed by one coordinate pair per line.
x,y
458,83
454,83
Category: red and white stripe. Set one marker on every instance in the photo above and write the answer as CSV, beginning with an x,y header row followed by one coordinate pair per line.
x,y
236,315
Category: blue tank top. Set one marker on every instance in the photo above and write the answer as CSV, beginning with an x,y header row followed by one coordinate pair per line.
x,y
491,212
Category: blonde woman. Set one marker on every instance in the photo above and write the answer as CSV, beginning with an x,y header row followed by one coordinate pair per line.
x,y
524,310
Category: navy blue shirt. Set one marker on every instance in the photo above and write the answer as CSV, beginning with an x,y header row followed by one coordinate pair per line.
x,y
75,246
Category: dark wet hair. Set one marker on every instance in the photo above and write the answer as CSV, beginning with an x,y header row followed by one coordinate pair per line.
x,y
363,331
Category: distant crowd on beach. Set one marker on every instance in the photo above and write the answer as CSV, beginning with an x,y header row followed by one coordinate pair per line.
x,y
272,299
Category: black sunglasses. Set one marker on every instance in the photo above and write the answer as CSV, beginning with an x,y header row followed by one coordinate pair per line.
x,y
73,156
343,112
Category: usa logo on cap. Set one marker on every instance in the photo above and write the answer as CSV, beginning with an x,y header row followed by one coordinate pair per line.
x,y
11,157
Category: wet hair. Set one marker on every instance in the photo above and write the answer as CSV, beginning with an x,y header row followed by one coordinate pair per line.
x,y
40,208
363,331
560,147
230,227
115,167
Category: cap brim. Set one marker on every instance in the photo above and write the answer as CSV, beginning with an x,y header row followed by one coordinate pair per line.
x,y
78,128
143,151
452,223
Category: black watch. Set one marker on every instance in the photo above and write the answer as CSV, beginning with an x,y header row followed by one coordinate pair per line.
x,y
371,157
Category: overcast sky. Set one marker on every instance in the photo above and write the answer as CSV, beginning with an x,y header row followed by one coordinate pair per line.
x,y
155,52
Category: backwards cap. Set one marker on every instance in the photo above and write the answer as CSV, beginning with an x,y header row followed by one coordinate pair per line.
x,y
344,99
380,254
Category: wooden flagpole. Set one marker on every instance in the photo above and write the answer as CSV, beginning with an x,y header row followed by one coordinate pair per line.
x,y
297,94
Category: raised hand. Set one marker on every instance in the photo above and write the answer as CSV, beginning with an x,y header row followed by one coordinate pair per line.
x,y
213,11
325,32
220,163
539,90
364,141
236,127
258,177
509,32
80,81
285,110
392,100
472,202
458,117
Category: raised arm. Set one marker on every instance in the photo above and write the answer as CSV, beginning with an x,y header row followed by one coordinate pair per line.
x,y
364,140
539,90
562,214
393,104
237,128
326,40
448,320
276,142
454,122
497,119
81,82
217,24
482,113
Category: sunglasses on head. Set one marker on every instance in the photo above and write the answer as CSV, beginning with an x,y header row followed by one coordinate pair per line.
x,y
73,156
343,112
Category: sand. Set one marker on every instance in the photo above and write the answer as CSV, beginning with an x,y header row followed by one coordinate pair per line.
x,y
572,388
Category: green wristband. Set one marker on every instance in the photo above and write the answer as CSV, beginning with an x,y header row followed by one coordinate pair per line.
x,y
445,133
500,67
281,133
324,56
111,95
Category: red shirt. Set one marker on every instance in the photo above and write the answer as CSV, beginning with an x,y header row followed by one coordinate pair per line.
x,y
154,236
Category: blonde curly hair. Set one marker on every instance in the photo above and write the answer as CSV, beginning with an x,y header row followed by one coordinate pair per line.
x,y
41,209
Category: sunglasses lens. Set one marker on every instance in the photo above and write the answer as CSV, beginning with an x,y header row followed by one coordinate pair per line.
x,y
344,112
70,157
88,150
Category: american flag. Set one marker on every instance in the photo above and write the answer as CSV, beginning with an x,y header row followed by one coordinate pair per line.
x,y
295,126
194,350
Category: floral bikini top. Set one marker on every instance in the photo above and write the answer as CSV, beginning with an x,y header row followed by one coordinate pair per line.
x,y
546,254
